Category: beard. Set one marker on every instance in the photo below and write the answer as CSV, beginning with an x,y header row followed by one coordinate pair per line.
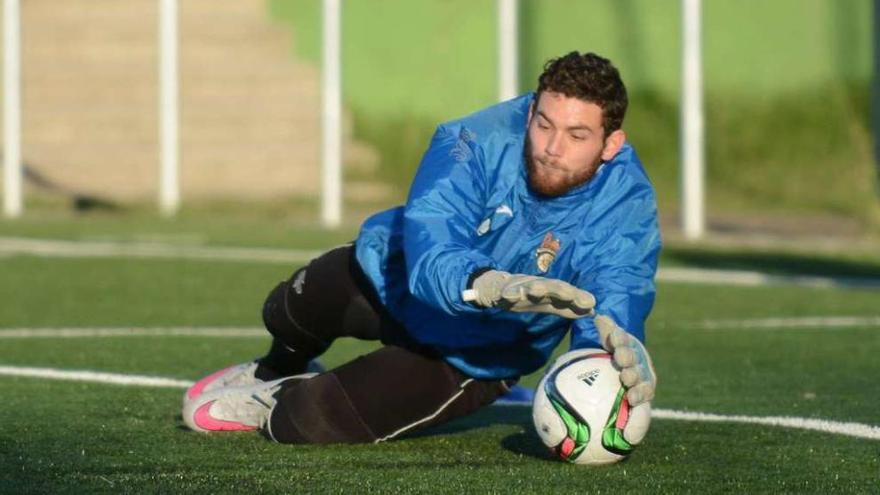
x,y
548,178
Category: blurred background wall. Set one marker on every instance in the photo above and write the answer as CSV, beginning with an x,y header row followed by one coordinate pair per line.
x,y
249,109
787,87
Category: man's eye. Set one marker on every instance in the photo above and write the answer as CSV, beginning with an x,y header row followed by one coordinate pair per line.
x,y
578,137
542,125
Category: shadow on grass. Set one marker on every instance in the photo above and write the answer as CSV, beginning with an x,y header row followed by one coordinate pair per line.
x,y
488,416
527,444
774,263
524,443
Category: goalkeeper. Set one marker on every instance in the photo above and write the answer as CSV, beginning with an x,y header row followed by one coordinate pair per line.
x,y
525,221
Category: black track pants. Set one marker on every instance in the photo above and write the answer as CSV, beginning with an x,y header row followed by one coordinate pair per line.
x,y
397,389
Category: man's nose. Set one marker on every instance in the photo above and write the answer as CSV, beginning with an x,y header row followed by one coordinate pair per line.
x,y
554,144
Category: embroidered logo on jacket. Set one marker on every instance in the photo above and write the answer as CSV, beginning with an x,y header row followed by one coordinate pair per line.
x,y
547,252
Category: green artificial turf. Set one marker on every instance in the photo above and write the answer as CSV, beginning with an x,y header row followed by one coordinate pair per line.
x,y
74,437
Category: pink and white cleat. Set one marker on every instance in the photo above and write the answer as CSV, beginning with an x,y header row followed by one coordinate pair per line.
x,y
234,408
240,375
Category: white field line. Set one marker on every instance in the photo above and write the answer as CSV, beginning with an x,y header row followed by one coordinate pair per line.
x,y
805,322
94,377
759,279
776,323
68,333
107,249
104,249
858,430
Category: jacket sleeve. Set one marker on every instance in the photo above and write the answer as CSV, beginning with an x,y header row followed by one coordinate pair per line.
x,y
445,205
621,273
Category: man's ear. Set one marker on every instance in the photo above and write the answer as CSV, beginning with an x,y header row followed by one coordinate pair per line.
x,y
613,143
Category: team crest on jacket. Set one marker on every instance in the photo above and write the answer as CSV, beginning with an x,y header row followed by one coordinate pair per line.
x,y
547,252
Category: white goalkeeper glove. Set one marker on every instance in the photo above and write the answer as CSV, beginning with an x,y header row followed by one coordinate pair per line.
x,y
527,293
637,371
637,375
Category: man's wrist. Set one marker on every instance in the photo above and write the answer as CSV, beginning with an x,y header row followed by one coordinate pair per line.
x,y
470,295
476,273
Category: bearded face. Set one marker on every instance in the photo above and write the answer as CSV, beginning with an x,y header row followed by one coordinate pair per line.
x,y
566,143
548,177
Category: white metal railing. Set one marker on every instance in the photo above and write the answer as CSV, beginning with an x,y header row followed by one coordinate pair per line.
x,y
692,147
508,49
331,115
12,166
169,135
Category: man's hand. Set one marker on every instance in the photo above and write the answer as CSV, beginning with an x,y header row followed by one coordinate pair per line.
x,y
637,371
526,293
637,375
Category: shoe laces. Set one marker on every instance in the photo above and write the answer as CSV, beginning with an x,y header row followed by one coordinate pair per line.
x,y
241,376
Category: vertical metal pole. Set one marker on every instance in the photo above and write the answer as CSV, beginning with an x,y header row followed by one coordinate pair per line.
x,y
12,166
508,49
693,166
331,95
169,149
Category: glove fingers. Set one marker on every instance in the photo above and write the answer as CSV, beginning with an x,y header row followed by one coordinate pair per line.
x,y
580,312
537,290
575,297
629,377
637,426
558,294
541,295
529,293
523,306
583,300
624,356
521,288
640,393
620,339
513,295
605,326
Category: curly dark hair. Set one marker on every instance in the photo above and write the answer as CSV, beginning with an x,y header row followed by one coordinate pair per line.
x,y
590,78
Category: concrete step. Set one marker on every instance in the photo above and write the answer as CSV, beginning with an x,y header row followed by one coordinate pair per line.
x,y
249,115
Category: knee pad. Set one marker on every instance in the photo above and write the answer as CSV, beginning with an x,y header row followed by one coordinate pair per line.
x,y
317,411
287,321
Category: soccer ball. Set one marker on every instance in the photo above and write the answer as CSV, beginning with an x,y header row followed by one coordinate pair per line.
x,y
580,409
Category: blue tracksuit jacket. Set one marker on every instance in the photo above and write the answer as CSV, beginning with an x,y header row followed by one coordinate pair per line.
x,y
470,207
